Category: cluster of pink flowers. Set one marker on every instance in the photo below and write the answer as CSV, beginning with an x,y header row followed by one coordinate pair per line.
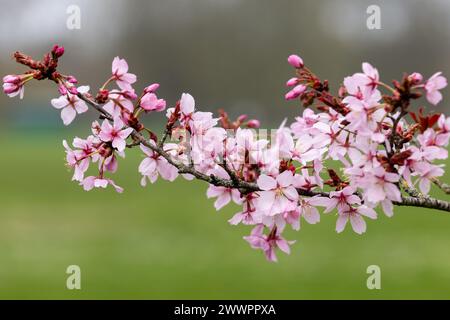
x,y
377,149
109,140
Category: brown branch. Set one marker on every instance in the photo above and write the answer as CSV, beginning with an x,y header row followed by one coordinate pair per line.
x,y
246,187
230,172
429,202
96,106
442,185
410,189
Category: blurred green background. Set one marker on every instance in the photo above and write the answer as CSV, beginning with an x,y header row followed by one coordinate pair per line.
x,y
166,240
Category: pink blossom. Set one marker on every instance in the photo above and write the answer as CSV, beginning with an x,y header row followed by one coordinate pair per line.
x,y
290,216
200,122
304,180
247,144
224,196
354,214
206,146
317,168
276,174
308,210
304,152
120,73
443,136
444,123
267,159
79,159
154,165
79,163
118,101
364,104
380,185
435,83
187,107
305,124
246,216
187,104
284,142
429,148
333,137
98,182
70,105
370,75
268,243
426,173
364,153
277,193
338,199
150,102
115,133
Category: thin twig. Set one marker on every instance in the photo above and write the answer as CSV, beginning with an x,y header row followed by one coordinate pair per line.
x,y
410,189
442,185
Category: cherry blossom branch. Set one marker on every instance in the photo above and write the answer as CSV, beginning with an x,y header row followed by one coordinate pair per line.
x,y
383,154
246,187
237,183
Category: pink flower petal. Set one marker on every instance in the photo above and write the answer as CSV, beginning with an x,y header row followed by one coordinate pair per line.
x,y
60,102
119,143
266,182
358,224
68,114
341,222
266,200
284,246
222,200
187,103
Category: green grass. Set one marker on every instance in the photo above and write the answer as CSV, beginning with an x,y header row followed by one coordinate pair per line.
x,y
166,241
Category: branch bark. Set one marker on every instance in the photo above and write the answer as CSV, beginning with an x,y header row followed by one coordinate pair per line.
x,y
443,186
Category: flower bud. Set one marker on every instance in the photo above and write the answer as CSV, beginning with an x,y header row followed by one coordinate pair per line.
x,y
11,79
242,118
292,82
71,79
13,85
62,89
102,96
253,123
151,88
57,51
73,90
296,92
9,88
342,91
295,61
415,78
129,94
